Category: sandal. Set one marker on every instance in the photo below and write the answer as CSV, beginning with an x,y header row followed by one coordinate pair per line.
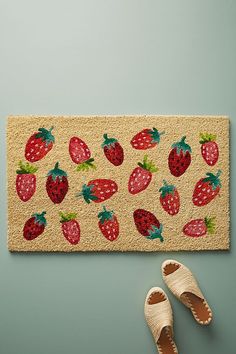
x,y
184,286
158,314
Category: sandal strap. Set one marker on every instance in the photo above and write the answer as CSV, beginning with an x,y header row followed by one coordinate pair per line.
x,y
159,316
182,281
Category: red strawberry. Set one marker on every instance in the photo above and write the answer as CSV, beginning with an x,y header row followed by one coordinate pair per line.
x,y
34,226
141,176
209,148
70,227
98,190
113,150
108,224
179,158
57,184
147,224
199,227
39,144
146,139
169,198
80,154
206,189
26,181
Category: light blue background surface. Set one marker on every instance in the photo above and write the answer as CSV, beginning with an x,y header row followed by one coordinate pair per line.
x,y
112,57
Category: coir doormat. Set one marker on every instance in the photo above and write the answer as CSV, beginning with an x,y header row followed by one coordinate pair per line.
x,y
118,183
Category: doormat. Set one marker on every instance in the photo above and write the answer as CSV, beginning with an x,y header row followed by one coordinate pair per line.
x,y
118,183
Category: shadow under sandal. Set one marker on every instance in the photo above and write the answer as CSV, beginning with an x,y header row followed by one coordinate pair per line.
x,y
158,314
184,286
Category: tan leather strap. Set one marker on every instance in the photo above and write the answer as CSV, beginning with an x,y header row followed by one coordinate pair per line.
x,y
182,281
159,316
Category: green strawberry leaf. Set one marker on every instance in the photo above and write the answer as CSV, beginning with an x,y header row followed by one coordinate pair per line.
x,y
86,165
105,215
108,141
57,173
87,193
155,135
205,137
40,218
67,216
214,180
26,168
46,135
182,145
167,189
155,232
148,165
210,225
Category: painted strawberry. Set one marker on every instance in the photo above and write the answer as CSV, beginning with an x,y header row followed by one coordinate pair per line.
x,y
146,139
98,190
39,144
108,224
113,150
209,148
199,227
169,198
26,181
206,189
141,176
57,184
179,157
147,224
34,226
70,227
81,154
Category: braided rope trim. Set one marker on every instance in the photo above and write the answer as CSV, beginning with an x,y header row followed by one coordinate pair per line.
x,y
169,336
195,315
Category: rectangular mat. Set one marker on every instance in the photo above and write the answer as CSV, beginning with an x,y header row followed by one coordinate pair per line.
x,y
118,183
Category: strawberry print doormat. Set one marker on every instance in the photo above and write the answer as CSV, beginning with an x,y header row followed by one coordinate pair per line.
x,y
118,183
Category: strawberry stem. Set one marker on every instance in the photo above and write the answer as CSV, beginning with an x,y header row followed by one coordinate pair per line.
x,y
26,168
105,215
108,141
166,189
46,135
86,165
67,216
182,145
155,135
148,165
155,232
210,224
214,180
87,193
206,137
40,219
57,172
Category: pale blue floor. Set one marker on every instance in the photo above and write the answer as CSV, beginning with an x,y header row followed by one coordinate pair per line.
x,y
112,57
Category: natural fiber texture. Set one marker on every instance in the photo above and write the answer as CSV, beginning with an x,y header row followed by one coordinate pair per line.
x,y
159,315
183,284
181,281
160,227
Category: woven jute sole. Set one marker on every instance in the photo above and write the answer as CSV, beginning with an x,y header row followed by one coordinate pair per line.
x,y
123,203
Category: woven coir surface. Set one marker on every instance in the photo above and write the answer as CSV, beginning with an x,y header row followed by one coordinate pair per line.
x,y
162,225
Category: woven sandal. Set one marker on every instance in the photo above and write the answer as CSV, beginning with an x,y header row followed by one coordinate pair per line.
x,y
158,313
184,286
